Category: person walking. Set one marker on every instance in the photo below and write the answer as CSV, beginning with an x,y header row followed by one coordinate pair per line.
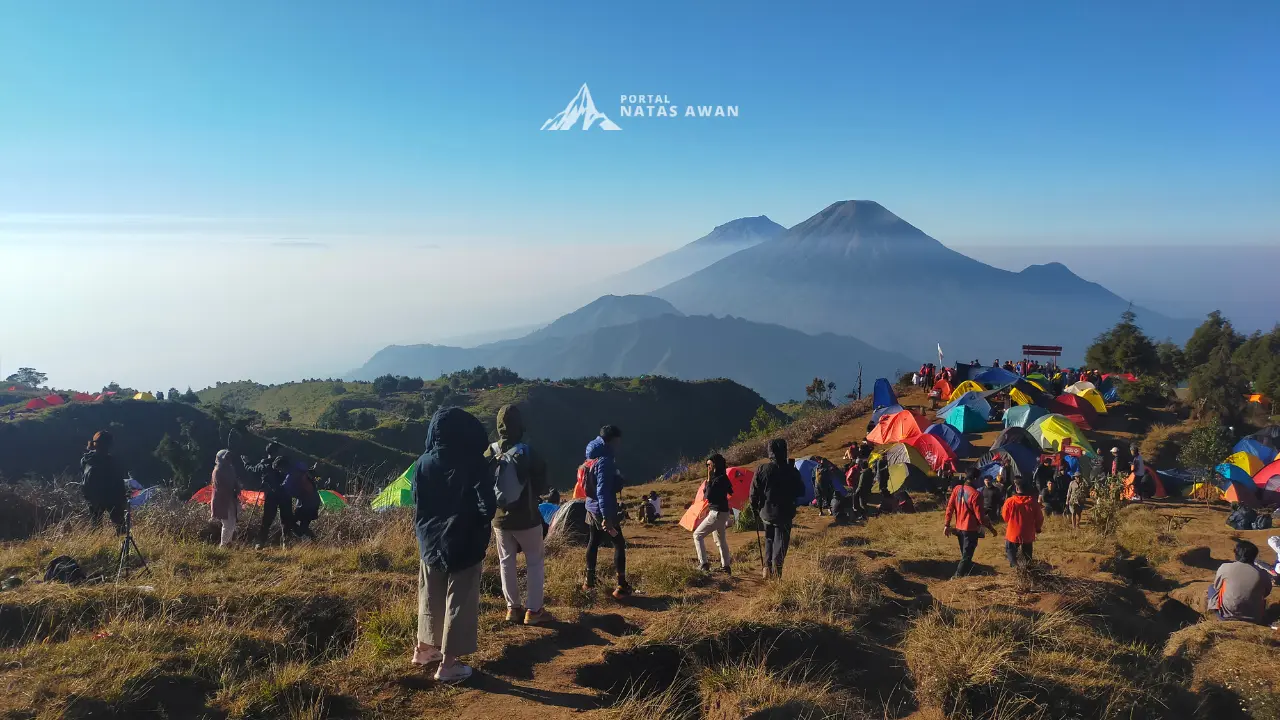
x,y
1077,493
224,506
774,491
101,482
275,499
604,483
965,507
1023,521
454,503
824,486
518,525
716,489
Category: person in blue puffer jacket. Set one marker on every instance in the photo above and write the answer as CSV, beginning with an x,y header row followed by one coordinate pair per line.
x,y
602,508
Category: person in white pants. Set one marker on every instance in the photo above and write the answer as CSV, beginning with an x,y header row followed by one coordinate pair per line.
x,y
717,490
518,526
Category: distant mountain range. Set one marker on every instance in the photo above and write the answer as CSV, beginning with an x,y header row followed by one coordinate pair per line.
x,y
857,269
639,335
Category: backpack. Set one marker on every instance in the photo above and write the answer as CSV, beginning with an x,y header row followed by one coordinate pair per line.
x,y
585,488
508,487
1242,519
64,569
1262,522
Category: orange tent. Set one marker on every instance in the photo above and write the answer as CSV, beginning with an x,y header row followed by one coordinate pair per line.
x,y
204,496
944,388
1131,491
1247,499
898,427
935,452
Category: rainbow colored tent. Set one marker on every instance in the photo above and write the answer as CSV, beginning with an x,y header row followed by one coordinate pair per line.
x,y
1243,460
1265,453
398,493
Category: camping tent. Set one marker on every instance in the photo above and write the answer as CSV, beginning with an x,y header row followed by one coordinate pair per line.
x,y
204,496
398,493
1050,430
570,522
908,469
1016,436
881,412
904,454
1024,393
54,399
1253,447
1022,460
1076,409
1270,492
547,511
740,480
995,377
1262,476
1023,416
1246,462
882,395
966,419
85,397
330,500
934,451
1269,436
966,387
1079,387
144,396
1176,482
1236,485
951,437
36,404
970,399
943,388
806,466
897,427
1093,397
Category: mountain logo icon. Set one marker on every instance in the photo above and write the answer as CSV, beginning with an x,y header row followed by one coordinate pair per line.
x,y
581,107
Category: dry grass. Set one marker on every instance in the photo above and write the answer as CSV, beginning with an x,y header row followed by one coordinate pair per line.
x,y
1162,443
821,586
1234,664
750,687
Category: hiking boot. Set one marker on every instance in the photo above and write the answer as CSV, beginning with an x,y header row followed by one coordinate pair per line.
x,y
515,614
426,655
622,591
538,617
727,570
458,673
706,567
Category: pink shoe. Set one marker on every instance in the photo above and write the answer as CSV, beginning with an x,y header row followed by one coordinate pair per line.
x,y
426,655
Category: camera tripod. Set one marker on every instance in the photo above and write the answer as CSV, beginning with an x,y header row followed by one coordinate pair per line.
x,y
128,546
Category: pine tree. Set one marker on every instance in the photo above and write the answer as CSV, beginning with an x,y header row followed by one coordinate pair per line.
x,y
1218,386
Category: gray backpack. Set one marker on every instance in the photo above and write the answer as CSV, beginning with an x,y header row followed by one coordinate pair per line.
x,y
508,487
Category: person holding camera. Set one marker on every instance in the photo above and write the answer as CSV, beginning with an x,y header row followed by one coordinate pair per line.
x,y
275,498
102,484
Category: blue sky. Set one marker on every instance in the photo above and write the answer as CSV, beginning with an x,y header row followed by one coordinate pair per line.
x,y
128,125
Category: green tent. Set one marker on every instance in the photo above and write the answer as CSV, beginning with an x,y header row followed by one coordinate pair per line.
x,y
398,493
966,419
331,500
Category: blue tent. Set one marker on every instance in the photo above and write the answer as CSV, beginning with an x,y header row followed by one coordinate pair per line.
x,y
966,419
1175,481
806,466
1228,473
1023,416
548,511
952,438
995,377
1023,460
1266,454
882,395
972,400
882,411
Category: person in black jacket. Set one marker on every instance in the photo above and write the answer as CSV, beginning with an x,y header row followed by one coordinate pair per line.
x,y
824,485
103,486
272,470
454,503
866,481
716,490
774,491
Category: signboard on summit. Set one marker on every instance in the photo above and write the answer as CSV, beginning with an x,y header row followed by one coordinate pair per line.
x,y
1042,351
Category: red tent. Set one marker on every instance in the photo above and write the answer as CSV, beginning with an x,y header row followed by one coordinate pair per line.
x,y
54,399
83,397
204,496
898,427
1076,409
935,452
1273,470
37,404
740,478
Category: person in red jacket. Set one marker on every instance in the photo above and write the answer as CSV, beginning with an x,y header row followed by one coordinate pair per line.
x,y
965,507
1024,520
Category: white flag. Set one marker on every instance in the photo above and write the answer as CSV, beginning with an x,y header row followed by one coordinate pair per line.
x,y
939,353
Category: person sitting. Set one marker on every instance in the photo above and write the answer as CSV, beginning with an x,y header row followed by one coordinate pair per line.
x,y
650,509
1239,590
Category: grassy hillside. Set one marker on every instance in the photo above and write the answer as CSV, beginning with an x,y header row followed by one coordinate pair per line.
x,y
305,401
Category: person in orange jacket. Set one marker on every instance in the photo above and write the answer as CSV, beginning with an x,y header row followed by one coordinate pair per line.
x,y
965,506
1024,520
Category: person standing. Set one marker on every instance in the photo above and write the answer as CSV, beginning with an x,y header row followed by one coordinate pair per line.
x,y
604,483
299,485
1240,589
1138,466
1024,520
224,506
518,526
102,484
1077,492
716,489
275,499
866,482
774,491
454,503
965,506
823,485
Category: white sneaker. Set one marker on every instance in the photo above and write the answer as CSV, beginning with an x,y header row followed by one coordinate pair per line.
x,y
459,673
426,656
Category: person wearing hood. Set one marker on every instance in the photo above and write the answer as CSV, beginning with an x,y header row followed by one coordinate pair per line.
x,y
517,526
604,484
866,482
1024,520
275,499
102,484
716,489
224,507
454,503
774,491
300,485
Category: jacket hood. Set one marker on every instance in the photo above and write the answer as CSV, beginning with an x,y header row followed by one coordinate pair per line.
x,y
510,424
778,451
1022,499
598,448
454,430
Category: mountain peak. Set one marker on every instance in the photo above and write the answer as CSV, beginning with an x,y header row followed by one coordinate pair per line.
x,y
747,230
854,225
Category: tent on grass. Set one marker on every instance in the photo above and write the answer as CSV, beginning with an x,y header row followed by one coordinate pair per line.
x,y
909,478
1253,447
1236,485
570,522
204,496
904,454
547,511
966,387
1079,387
1246,462
1024,393
1269,436
1076,409
805,466
144,396
1016,436
882,395
951,437
697,510
54,400
966,419
934,451
1266,473
1023,416
881,412
971,399
1022,460
398,493
1050,430
995,377
85,397
330,500
740,480
36,404
1094,398
1270,492
897,427
1176,482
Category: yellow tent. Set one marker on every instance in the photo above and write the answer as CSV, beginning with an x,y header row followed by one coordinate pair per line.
x,y
964,387
1243,460
1095,399
144,396
1079,387
1038,384
1020,398
1050,430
